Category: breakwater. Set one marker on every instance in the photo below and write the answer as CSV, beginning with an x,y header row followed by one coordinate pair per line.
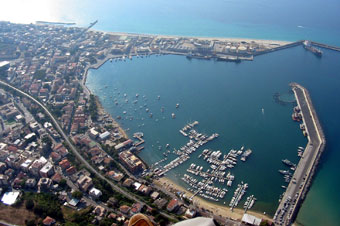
x,y
290,45
325,46
302,178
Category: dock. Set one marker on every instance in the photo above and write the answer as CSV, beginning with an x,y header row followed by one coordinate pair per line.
x,y
302,177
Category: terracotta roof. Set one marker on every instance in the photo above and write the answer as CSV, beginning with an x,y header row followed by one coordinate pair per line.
x,y
48,221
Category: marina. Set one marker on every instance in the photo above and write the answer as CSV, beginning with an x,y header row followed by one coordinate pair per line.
x,y
179,118
196,140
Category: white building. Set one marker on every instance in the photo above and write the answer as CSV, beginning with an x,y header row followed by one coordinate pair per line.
x,y
95,193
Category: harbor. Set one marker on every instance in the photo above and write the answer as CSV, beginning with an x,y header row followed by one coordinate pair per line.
x,y
157,134
303,175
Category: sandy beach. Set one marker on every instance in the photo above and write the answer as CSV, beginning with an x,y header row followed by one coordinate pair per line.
x,y
218,210
224,39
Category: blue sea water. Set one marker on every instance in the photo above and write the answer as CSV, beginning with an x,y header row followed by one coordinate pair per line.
x,y
227,98
264,19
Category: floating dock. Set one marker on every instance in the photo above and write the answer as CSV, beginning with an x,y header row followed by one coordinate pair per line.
x,y
302,177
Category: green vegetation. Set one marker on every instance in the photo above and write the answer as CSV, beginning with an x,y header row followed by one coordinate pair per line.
x,y
75,218
29,204
93,108
44,204
47,145
77,195
62,183
40,74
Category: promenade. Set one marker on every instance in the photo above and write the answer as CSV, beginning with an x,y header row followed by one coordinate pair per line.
x,y
301,180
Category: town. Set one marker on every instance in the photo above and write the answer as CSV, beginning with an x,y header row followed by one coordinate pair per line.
x,y
62,156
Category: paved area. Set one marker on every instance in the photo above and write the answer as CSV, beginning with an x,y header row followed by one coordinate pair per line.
x,y
303,174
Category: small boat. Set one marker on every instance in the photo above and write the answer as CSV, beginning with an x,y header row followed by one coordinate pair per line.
x,y
177,105
173,115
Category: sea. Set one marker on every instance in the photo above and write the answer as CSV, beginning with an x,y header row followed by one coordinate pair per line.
x,y
226,98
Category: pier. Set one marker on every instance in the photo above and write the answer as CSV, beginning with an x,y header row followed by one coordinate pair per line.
x,y
302,177
325,46
138,136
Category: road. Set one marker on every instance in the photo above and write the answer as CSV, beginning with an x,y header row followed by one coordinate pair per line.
x,y
75,151
293,196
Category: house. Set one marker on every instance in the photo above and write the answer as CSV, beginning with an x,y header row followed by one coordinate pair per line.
x,y
104,136
3,180
128,182
99,211
172,205
44,184
250,219
37,165
117,176
124,209
64,164
9,198
112,201
124,144
146,190
190,213
30,183
160,203
154,195
71,170
55,156
48,221
84,183
132,162
47,170
3,167
95,193
93,133
136,208
25,165
56,178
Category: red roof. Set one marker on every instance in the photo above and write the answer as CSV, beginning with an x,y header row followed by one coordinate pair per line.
x,y
48,221
71,170
56,177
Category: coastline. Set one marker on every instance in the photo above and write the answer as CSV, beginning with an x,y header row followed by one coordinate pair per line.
x,y
166,183
99,105
206,206
225,39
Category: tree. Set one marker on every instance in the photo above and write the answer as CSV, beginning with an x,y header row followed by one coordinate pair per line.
x,y
40,74
62,183
47,145
30,223
77,195
29,204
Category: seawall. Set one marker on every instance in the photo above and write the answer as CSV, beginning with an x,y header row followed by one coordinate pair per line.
x,y
303,175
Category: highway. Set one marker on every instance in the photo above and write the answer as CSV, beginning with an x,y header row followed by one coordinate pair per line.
x,y
302,176
75,151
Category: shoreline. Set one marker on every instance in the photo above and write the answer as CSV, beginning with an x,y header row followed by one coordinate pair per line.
x,y
206,206
89,92
234,39
168,184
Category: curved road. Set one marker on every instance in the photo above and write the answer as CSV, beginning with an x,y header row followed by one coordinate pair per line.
x,y
74,150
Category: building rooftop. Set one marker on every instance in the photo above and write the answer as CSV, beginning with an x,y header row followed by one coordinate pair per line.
x,y
9,198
